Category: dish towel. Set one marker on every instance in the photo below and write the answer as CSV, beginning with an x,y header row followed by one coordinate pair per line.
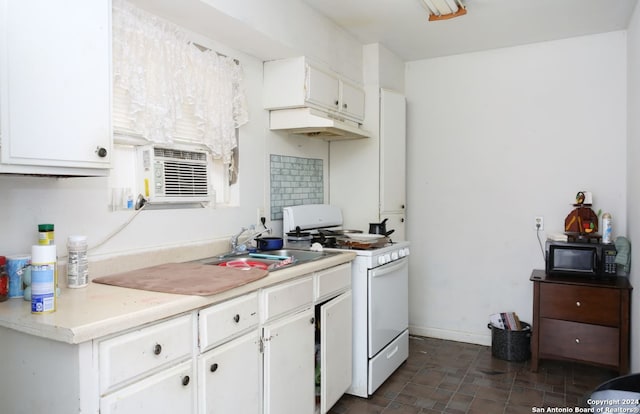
x,y
623,255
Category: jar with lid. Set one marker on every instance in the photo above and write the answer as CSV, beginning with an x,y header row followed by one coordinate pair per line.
x,y
45,234
4,279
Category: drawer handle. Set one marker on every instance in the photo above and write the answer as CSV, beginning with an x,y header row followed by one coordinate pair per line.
x,y
185,380
236,318
578,304
392,353
577,340
157,349
214,367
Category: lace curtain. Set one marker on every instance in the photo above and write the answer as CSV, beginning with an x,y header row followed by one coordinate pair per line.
x,y
166,75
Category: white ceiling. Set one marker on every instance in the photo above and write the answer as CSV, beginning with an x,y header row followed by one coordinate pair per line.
x,y
403,27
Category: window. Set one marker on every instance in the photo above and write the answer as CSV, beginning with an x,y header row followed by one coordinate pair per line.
x,y
168,90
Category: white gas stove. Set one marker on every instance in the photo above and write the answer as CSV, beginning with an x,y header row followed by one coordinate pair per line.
x,y
380,279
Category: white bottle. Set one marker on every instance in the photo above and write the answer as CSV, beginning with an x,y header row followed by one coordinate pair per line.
x,y
606,228
43,279
77,264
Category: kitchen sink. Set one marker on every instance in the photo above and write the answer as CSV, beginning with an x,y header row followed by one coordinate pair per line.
x,y
269,260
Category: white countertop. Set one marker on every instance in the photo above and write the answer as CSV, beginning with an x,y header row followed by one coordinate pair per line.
x,y
99,310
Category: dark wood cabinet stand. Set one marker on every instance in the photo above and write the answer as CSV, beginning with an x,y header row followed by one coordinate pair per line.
x,y
581,319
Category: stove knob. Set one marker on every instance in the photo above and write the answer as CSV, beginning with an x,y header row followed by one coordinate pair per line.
x,y
381,260
387,258
401,253
394,255
406,251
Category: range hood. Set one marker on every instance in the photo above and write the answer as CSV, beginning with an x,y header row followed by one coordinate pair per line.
x,y
315,124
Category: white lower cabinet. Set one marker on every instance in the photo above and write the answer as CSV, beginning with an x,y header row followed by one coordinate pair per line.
x,y
229,377
289,365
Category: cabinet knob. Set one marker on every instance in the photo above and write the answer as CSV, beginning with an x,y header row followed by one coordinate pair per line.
x,y
336,103
344,105
578,304
312,321
101,151
185,380
157,349
402,220
577,340
236,318
214,367
402,206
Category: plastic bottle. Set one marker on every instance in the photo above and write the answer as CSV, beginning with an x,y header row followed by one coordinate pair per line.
x,y
77,264
43,279
606,228
45,234
4,279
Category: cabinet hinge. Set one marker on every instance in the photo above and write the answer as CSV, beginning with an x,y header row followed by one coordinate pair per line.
x,y
262,344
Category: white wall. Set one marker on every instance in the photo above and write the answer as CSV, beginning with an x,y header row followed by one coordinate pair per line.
x,y
633,175
300,28
494,139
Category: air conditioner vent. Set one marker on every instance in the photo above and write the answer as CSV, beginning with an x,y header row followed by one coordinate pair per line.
x,y
185,179
179,154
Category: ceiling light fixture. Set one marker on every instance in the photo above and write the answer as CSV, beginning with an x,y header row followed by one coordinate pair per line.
x,y
444,9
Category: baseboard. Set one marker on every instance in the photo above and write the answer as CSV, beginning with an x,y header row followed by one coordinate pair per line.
x,y
451,335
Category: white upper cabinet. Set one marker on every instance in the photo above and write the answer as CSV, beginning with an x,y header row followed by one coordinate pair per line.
x,y
392,152
297,82
351,100
55,87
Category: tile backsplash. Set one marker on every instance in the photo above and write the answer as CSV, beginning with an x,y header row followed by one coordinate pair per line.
x,y
295,181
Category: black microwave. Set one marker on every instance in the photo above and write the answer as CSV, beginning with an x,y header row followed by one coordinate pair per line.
x,y
594,260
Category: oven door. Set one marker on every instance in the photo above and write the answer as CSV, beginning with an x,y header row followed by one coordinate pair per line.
x,y
388,296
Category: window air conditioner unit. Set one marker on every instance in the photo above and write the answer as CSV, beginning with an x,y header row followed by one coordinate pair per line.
x,y
173,175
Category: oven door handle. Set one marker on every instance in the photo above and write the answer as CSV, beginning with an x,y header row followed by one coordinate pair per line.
x,y
389,268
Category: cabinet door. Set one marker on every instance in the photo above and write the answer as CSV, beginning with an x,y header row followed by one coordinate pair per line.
x,y
229,377
392,152
335,350
289,364
351,100
322,88
170,391
55,83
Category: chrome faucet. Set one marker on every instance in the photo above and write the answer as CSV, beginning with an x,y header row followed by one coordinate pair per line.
x,y
237,247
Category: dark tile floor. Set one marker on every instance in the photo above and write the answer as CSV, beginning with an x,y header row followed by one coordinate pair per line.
x,y
453,377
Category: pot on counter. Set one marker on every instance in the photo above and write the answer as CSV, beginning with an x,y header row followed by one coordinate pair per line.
x,y
380,228
269,243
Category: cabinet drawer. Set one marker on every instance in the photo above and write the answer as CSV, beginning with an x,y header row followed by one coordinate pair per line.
x,y
287,297
226,320
580,303
169,391
133,354
579,341
332,280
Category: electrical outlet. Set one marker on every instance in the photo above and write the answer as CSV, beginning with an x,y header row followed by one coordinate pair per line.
x,y
538,224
